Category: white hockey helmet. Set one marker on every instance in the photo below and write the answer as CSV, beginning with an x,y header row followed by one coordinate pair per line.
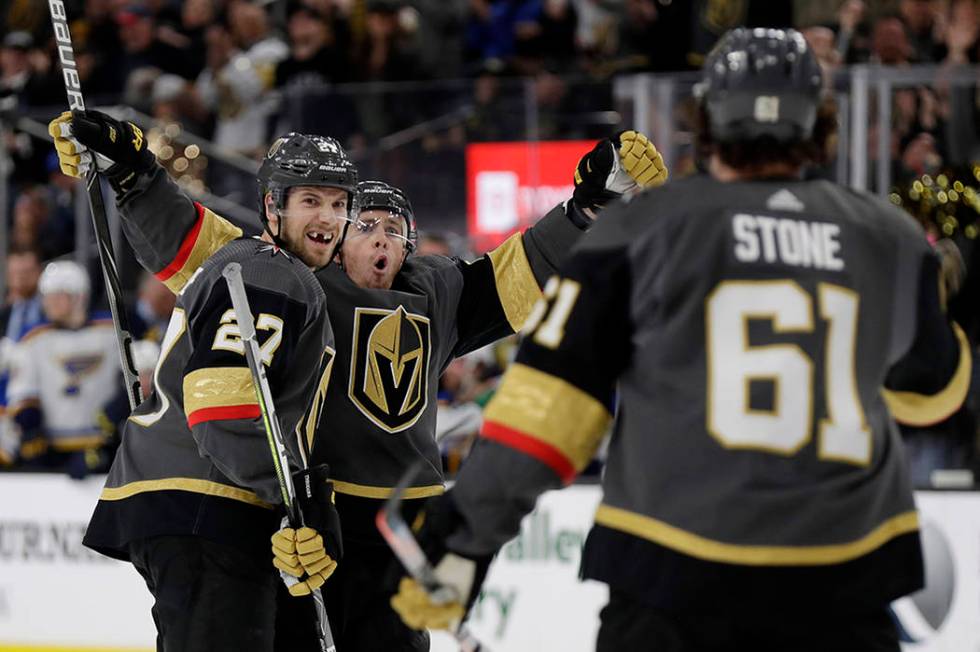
x,y
64,276
145,355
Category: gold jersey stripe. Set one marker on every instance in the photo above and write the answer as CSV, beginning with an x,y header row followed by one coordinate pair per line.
x,y
516,286
215,232
651,529
368,491
214,387
66,444
550,410
193,485
913,409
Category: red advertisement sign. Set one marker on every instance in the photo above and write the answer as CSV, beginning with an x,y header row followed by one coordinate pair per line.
x,y
511,185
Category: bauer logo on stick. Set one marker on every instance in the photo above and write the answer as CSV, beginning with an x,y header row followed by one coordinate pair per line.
x,y
73,84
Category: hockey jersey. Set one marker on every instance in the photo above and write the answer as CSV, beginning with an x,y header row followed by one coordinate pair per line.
x,y
60,381
392,345
194,458
760,338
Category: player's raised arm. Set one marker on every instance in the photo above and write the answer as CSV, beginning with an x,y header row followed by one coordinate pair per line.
x,y
930,382
544,424
500,289
170,234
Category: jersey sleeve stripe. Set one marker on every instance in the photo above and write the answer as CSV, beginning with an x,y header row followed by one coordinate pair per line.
x,y
539,450
184,251
209,233
534,405
229,413
214,391
516,286
919,410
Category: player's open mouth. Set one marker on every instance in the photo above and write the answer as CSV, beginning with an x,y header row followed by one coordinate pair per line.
x,y
381,264
319,237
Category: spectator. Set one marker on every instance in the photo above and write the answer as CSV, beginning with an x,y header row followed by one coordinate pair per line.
x,y
153,309
23,309
823,43
249,26
34,226
315,58
433,244
143,48
924,26
23,71
652,36
62,374
494,27
389,51
233,87
195,17
98,49
889,43
549,42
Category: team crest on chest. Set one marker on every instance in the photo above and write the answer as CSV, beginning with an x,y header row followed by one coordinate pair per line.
x,y
389,366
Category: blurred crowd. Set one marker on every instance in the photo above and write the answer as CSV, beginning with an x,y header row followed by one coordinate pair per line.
x,y
436,74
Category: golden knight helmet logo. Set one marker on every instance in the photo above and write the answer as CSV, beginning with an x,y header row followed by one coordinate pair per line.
x,y
390,364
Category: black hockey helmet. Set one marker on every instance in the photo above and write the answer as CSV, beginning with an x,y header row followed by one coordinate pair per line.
x,y
378,195
305,160
761,82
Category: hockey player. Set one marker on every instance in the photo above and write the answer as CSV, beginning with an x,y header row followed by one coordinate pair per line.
x,y
191,498
62,373
399,320
755,495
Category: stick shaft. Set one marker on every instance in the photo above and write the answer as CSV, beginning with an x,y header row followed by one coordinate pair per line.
x,y
73,88
277,444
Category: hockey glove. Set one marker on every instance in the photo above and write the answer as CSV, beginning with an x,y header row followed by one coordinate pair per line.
x,y
120,148
462,575
624,162
307,556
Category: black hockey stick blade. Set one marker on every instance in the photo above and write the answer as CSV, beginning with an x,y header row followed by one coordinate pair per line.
x,y
402,542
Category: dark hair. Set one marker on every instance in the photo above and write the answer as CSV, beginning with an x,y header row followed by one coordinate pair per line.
x,y
746,154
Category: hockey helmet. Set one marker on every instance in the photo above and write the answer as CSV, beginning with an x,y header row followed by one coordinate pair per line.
x,y
761,82
64,276
305,160
378,195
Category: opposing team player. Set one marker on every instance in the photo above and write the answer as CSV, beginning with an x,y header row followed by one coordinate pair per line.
x,y
191,497
63,373
755,495
399,320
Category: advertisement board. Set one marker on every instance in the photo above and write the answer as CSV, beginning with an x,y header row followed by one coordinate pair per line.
x,y
511,185
55,595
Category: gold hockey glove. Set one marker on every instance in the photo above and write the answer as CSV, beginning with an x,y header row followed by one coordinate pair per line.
x,y
461,575
119,148
624,162
308,556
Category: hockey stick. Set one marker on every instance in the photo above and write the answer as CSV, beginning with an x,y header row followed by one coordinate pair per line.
x,y
403,543
120,321
273,431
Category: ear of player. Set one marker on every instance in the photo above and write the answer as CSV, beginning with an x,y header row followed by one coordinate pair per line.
x,y
306,557
460,573
624,162
120,147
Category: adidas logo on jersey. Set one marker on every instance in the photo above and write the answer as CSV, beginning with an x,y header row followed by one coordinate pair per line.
x,y
784,200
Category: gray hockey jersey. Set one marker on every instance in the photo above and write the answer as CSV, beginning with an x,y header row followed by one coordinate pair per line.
x,y
755,342
392,345
194,458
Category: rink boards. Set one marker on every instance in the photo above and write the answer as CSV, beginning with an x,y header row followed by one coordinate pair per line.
x,y
57,595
